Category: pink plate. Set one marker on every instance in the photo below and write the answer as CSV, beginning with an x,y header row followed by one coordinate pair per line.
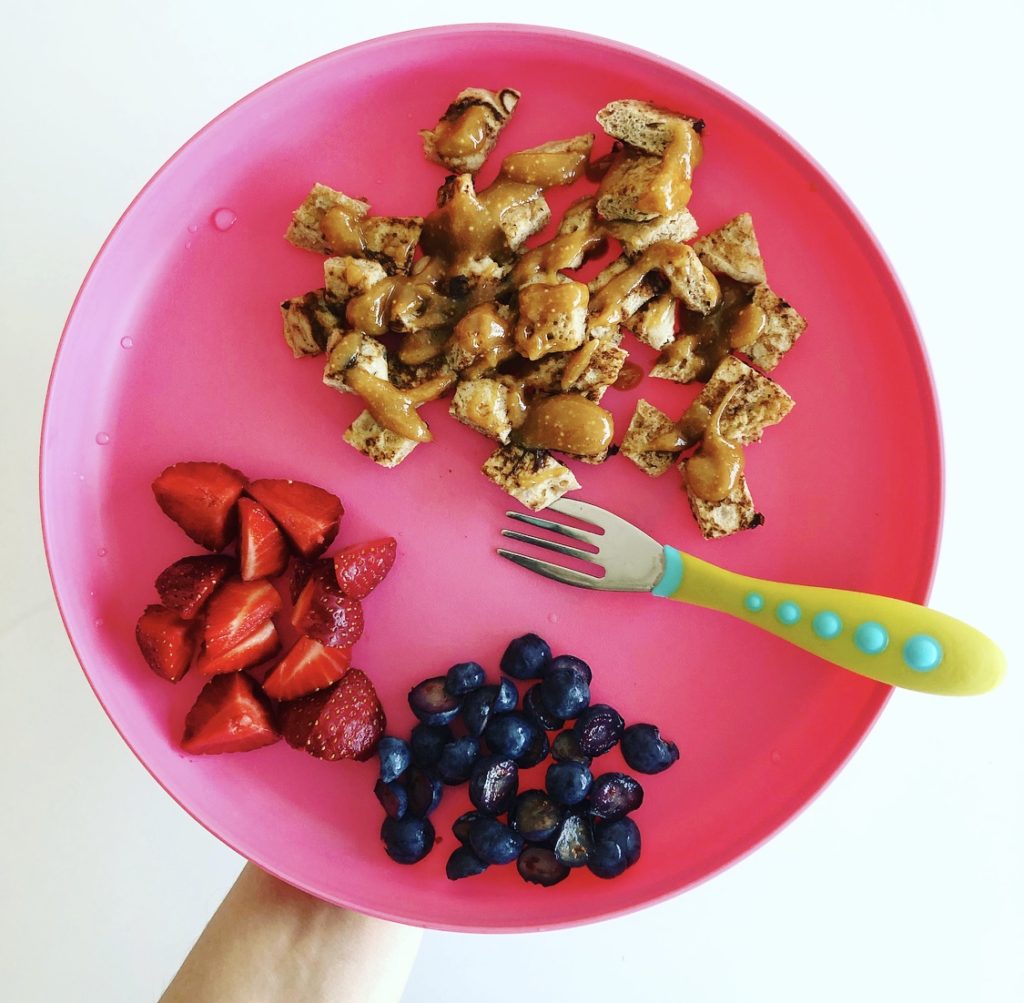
x,y
173,351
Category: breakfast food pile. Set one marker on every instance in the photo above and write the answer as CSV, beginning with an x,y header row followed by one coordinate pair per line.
x,y
524,351
217,612
471,732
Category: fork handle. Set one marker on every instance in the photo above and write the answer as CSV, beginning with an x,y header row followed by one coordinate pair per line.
x,y
895,642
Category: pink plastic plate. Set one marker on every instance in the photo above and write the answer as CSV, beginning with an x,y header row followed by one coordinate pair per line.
x,y
173,351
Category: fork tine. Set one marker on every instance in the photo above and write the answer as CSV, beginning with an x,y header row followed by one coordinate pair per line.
x,y
553,571
557,527
558,548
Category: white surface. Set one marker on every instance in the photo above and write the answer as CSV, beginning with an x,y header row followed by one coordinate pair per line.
x,y
904,879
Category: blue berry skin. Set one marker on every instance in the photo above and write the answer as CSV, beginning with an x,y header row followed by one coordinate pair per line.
x,y
457,759
393,798
432,703
615,795
535,816
424,792
625,834
477,708
507,698
526,657
463,863
537,751
565,692
607,859
493,784
426,744
395,757
568,783
464,678
540,866
460,827
566,748
533,707
510,734
598,729
407,840
646,751
572,662
575,841
494,842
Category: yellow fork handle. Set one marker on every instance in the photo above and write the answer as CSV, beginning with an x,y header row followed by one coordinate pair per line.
x,y
893,641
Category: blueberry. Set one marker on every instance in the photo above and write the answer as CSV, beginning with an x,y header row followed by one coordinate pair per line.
x,y
507,698
575,841
536,752
625,834
424,792
408,839
457,759
463,863
394,757
534,708
535,816
493,784
427,742
565,691
566,748
572,662
432,703
615,795
568,783
526,657
597,729
540,866
606,859
460,827
510,734
646,751
464,678
494,842
477,708
393,797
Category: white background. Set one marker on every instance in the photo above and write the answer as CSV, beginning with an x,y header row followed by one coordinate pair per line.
x,y
904,880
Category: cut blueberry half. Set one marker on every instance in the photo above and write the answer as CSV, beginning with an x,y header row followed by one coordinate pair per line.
x,y
432,703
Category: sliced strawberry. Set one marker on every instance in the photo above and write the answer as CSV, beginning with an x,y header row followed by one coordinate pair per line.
x,y
363,566
261,644
235,611
308,515
326,615
200,497
167,641
187,584
308,667
230,715
307,575
345,721
301,570
262,550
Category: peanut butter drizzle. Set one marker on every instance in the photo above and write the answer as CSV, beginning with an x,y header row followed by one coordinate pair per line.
x,y
422,346
686,432
390,407
714,470
629,376
468,227
546,170
342,231
567,250
576,364
462,136
671,188
569,423
541,305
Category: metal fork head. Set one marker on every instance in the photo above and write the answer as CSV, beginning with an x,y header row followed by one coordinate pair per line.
x,y
632,561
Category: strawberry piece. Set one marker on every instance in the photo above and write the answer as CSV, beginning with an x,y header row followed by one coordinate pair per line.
x,y
308,666
325,614
303,585
363,566
187,584
167,641
301,570
345,721
308,515
235,611
261,644
262,550
230,715
200,498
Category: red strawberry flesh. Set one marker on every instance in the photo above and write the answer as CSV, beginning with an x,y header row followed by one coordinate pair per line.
x,y
235,611
262,551
345,721
330,617
261,644
201,498
187,584
166,641
363,566
308,666
230,715
308,515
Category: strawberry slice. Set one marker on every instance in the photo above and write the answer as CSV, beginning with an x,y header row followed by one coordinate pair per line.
x,y
187,584
303,585
167,641
325,614
235,611
261,644
308,667
200,497
363,566
262,550
345,721
230,715
308,515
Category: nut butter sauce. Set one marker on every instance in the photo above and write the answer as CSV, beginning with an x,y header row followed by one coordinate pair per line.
x,y
714,470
